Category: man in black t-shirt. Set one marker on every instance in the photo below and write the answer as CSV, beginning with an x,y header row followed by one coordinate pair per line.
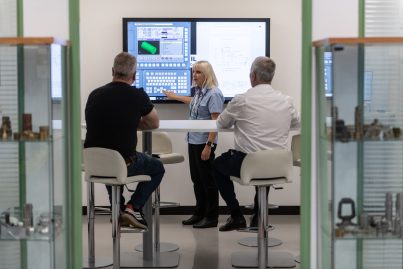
x,y
113,114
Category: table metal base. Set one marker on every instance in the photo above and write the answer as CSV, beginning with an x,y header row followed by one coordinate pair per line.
x,y
100,262
160,260
275,260
164,247
252,242
297,259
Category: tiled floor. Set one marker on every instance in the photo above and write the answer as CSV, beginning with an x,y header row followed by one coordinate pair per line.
x,y
199,248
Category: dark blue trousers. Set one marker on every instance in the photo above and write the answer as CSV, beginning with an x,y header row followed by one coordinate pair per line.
x,y
228,164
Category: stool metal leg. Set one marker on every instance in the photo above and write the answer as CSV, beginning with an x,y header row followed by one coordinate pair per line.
x,y
91,262
91,218
262,232
252,241
158,246
149,258
157,219
263,258
116,225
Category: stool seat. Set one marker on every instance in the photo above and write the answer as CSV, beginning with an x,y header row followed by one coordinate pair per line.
x,y
266,167
261,181
106,166
263,169
170,158
113,181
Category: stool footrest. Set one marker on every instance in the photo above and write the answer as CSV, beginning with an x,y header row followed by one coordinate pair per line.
x,y
272,206
102,211
269,206
166,205
128,230
255,229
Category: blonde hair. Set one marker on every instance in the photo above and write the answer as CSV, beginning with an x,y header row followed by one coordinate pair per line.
x,y
208,72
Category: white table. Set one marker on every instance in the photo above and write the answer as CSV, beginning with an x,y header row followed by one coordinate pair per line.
x,y
189,126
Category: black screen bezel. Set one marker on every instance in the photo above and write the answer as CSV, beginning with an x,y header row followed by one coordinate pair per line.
x,y
125,22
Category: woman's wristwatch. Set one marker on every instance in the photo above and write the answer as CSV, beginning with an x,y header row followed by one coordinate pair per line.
x,y
210,144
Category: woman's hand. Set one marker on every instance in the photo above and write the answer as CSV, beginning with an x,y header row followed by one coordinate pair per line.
x,y
206,153
170,95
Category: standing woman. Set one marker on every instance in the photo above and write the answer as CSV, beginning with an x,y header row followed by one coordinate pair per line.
x,y
206,104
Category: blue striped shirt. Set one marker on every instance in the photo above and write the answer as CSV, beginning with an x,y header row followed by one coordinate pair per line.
x,y
204,102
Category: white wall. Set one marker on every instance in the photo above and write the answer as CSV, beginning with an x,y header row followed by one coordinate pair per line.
x,y
46,18
334,19
101,40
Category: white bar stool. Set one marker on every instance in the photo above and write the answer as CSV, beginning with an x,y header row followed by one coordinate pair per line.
x,y
108,167
162,149
90,261
263,169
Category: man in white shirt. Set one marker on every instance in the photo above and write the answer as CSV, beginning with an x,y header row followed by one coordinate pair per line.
x,y
262,119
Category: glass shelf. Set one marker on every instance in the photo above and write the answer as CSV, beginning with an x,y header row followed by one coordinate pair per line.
x,y
21,233
50,140
373,235
370,140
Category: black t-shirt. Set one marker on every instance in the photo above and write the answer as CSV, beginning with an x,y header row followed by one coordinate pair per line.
x,y
112,115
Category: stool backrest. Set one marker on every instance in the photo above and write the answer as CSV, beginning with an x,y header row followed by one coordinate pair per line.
x,y
161,143
267,164
104,163
296,149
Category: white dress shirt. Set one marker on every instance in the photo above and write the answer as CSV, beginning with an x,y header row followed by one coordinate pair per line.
x,y
262,119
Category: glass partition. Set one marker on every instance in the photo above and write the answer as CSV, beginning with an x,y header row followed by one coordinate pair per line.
x,y
359,96
32,153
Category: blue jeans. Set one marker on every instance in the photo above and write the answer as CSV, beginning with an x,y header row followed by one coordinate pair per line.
x,y
143,165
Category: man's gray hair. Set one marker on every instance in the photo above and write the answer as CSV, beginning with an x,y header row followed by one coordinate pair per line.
x,y
124,66
264,68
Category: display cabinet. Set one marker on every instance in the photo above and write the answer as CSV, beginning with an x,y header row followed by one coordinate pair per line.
x,y
359,158
33,211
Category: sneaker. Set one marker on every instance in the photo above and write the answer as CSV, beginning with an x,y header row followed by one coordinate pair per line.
x,y
133,218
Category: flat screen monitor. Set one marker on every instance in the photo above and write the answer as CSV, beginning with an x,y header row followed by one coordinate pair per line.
x,y
166,48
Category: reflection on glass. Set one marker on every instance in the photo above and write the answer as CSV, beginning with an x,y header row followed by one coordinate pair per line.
x,y
206,252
